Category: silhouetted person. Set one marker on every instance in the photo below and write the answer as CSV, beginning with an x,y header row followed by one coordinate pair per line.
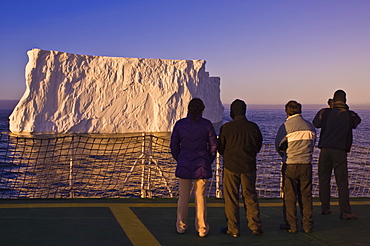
x,y
193,145
335,142
240,141
295,142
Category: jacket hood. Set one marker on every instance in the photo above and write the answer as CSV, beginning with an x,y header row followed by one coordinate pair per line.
x,y
238,107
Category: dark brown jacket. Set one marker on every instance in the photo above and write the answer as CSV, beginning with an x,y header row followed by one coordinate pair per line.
x,y
239,142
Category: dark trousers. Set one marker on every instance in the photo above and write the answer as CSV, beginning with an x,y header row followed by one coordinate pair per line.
x,y
333,159
297,187
231,184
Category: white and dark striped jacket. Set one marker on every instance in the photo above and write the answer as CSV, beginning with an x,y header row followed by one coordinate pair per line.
x,y
295,140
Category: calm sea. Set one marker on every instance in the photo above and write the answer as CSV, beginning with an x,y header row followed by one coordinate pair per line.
x,y
269,120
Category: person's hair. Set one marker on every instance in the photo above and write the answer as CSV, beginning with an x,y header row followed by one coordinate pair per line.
x,y
195,108
340,96
238,107
293,107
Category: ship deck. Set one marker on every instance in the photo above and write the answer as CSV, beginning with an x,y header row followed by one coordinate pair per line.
x,y
152,222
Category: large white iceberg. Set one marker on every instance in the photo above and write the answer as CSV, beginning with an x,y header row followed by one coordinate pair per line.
x,y
69,93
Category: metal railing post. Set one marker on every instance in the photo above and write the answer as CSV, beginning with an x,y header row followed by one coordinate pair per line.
x,y
281,183
70,178
143,154
218,176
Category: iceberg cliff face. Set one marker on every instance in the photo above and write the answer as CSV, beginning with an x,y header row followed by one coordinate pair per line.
x,y
69,93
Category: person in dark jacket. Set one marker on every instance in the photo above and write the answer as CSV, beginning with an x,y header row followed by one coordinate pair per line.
x,y
193,145
239,142
295,142
335,142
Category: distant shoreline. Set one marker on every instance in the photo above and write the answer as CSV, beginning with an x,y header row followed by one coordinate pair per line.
x,y
10,104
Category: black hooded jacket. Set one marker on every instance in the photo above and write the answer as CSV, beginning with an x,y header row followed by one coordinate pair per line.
x,y
240,141
336,126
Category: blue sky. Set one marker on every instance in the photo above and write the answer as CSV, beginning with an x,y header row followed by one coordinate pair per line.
x,y
265,51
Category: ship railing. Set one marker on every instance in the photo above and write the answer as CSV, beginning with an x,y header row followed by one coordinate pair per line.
x,y
132,165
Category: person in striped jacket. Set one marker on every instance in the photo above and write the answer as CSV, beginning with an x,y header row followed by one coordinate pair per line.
x,y
295,142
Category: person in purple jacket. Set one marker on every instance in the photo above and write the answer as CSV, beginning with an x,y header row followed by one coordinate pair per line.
x,y
193,145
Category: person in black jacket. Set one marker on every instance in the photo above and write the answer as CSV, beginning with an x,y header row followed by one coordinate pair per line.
x,y
335,142
240,141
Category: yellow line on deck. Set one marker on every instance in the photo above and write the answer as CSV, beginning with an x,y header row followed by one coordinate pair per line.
x,y
144,205
131,225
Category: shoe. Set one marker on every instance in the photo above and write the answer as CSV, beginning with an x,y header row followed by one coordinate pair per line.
x,y
203,232
181,229
326,212
285,227
307,231
233,234
224,230
348,216
257,232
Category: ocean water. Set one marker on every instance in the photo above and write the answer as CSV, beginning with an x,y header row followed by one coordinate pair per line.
x,y
93,181
268,120
4,120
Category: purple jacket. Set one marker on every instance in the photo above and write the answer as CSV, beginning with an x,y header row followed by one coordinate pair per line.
x,y
193,145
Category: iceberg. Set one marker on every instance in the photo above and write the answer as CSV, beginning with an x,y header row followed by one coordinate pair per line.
x,y
70,93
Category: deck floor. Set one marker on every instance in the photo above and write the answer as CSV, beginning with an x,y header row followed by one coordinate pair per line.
x,y
152,222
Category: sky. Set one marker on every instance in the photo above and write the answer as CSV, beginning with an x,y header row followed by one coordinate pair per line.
x,y
264,51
